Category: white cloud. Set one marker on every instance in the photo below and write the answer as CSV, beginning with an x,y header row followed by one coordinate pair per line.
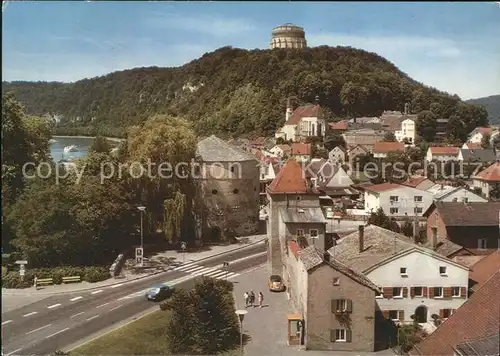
x,y
456,67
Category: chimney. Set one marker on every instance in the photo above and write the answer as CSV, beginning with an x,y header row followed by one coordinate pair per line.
x,y
361,230
434,237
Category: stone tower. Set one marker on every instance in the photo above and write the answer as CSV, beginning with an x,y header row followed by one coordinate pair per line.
x,y
288,36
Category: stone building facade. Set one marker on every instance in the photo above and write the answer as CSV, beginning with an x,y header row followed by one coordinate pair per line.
x,y
288,36
228,180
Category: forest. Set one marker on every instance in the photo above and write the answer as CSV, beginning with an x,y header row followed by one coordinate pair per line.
x,y
242,92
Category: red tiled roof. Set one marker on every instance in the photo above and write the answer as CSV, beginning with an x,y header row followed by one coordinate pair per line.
x,y
414,181
382,187
294,248
477,317
386,147
341,125
482,271
473,146
485,130
301,148
492,173
290,179
445,150
285,148
259,155
304,111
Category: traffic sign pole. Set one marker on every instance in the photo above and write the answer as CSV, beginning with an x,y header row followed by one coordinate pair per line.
x,y
183,248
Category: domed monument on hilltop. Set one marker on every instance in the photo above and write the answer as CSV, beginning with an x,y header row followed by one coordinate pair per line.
x,y
288,36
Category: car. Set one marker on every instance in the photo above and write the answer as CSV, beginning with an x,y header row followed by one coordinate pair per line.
x,y
276,284
159,292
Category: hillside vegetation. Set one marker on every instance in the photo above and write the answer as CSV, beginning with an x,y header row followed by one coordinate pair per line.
x,y
237,91
492,105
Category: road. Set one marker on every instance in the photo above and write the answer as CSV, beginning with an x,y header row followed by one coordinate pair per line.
x,y
59,321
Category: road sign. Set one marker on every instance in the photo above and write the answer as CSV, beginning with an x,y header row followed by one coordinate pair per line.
x,y
138,260
225,264
138,252
22,272
183,245
21,262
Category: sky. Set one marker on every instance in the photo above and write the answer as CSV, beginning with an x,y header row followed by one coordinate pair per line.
x,y
454,47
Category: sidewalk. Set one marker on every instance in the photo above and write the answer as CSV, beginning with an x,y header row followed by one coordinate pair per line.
x,y
159,262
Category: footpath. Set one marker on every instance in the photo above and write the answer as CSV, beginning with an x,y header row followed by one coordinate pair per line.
x,y
129,274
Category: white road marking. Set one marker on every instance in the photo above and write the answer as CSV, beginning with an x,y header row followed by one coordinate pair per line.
x,y
54,306
6,322
215,271
234,275
230,274
75,298
122,298
183,266
221,273
10,353
54,334
43,327
117,285
76,315
116,307
97,291
30,314
93,317
201,272
102,305
192,269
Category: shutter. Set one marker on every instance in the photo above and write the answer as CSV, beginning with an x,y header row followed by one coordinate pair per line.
x,y
463,292
349,305
405,292
424,292
386,314
334,306
401,315
447,292
412,292
332,335
441,313
388,292
431,292
348,336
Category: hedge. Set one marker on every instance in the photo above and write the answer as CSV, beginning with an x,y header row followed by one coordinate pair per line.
x,y
88,274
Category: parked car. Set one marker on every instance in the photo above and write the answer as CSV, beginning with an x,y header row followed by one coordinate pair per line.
x,y
276,284
159,292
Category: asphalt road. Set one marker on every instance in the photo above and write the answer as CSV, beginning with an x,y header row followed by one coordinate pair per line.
x,y
59,321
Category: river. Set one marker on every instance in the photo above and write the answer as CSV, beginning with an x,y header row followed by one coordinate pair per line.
x,y
83,144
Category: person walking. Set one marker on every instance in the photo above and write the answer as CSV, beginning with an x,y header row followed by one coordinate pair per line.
x,y
252,298
246,296
261,299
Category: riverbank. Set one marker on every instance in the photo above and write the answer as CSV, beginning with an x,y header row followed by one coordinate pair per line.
x,y
112,139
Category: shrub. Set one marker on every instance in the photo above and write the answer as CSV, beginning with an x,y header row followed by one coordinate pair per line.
x,y
13,280
95,274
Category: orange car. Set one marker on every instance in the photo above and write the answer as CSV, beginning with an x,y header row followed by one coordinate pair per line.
x,y
276,284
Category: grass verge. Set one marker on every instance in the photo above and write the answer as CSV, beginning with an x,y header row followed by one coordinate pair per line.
x,y
145,336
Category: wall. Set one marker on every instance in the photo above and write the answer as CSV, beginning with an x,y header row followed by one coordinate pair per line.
x,y
460,194
406,203
340,179
295,277
337,155
476,138
423,271
287,132
308,126
289,230
320,319
372,202
407,131
231,199
484,186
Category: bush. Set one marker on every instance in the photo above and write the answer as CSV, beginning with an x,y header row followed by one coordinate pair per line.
x,y
95,274
13,280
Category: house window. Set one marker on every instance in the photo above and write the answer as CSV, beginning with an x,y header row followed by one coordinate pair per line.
x,y
482,244
298,197
455,291
214,191
336,281
339,335
442,270
418,210
341,305
394,314
236,191
402,271
397,292
447,313
418,198
438,292
418,292
394,210
300,232
313,232
232,169
393,198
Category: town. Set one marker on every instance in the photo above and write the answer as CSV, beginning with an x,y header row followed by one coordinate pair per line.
x,y
357,217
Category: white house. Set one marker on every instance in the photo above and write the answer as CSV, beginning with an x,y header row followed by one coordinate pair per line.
x,y
415,281
337,154
486,179
448,193
281,150
442,154
268,170
305,121
397,200
407,131
476,136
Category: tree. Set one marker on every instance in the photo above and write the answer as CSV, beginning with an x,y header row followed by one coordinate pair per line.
x,y
495,192
100,145
407,228
427,125
333,140
390,137
379,218
485,141
410,335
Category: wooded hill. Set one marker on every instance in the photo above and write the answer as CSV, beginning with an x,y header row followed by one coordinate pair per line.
x,y
235,91
492,105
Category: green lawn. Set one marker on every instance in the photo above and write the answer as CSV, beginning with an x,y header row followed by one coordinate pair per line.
x,y
145,336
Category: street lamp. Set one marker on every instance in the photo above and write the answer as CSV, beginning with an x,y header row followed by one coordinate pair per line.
x,y
241,316
142,209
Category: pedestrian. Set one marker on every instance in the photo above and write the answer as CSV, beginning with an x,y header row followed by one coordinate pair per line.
x,y
261,299
252,298
35,280
246,296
